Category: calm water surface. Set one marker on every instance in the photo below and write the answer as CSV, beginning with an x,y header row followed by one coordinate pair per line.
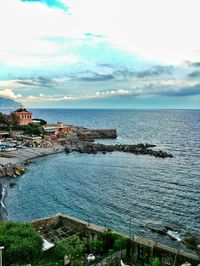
x,y
108,189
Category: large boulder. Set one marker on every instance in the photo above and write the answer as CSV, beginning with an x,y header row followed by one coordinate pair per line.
x,y
19,170
191,242
2,171
157,228
9,170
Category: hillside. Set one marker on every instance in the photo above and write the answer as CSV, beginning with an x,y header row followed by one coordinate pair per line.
x,y
8,103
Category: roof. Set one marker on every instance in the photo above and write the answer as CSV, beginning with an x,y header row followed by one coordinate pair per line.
x,y
21,110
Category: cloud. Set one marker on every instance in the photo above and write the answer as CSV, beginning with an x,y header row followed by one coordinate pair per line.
x,y
38,82
92,35
182,91
170,89
9,84
10,94
194,64
194,74
155,71
108,93
121,74
91,76
64,98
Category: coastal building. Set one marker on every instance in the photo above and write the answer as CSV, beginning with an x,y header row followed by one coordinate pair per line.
x,y
22,117
56,130
32,141
4,134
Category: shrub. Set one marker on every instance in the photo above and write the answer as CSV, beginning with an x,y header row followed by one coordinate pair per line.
x,y
97,246
113,241
155,262
108,240
22,244
72,246
120,243
30,129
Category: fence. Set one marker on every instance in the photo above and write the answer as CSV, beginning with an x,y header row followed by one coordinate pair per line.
x,y
113,259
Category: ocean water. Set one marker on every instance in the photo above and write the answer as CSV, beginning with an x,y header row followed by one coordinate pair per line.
x,y
114,188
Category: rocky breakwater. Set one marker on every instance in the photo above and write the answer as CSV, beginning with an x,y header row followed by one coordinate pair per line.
x,y
82,141
92,148
85,134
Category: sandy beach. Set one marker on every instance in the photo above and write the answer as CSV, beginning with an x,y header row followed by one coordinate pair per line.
x,y
19,156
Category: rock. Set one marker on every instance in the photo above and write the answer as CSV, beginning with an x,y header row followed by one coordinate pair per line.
x,y
191,242
9,170
19,170
157,228
88,147
12,170
12,183
27,162
86,134
2,171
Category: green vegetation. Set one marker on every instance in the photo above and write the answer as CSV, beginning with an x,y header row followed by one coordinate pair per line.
x,y
73,247
154,262
5,122
97,246
109,243
48,258
31,129
112,241
22,244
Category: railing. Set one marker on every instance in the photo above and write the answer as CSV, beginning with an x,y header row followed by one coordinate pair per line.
x,y
113,259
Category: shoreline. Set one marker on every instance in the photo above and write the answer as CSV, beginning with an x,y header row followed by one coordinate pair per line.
x,y
20,157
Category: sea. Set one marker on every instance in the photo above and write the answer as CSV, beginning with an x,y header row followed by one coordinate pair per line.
x,y
121,191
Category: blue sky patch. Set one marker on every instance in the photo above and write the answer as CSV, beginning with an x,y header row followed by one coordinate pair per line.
x,y
50,3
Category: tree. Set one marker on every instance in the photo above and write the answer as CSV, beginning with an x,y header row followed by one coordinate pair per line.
x,y
22,244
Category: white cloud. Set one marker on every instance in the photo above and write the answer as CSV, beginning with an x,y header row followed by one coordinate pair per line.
x,y
9,84
157,30
10,94
25,29
111,93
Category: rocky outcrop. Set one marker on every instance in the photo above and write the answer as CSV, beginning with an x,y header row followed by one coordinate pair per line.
x,y
175,233
12,170
85,134
87,147
82,141
191,242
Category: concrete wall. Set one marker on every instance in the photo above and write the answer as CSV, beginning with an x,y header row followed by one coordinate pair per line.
x,y
140,249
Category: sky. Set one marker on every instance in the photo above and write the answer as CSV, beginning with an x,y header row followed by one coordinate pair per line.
x,y
100,53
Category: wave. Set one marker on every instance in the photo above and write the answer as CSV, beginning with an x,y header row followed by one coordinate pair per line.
x,y
2,199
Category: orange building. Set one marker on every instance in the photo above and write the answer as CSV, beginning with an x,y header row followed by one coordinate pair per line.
x,y
62,129
22,116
